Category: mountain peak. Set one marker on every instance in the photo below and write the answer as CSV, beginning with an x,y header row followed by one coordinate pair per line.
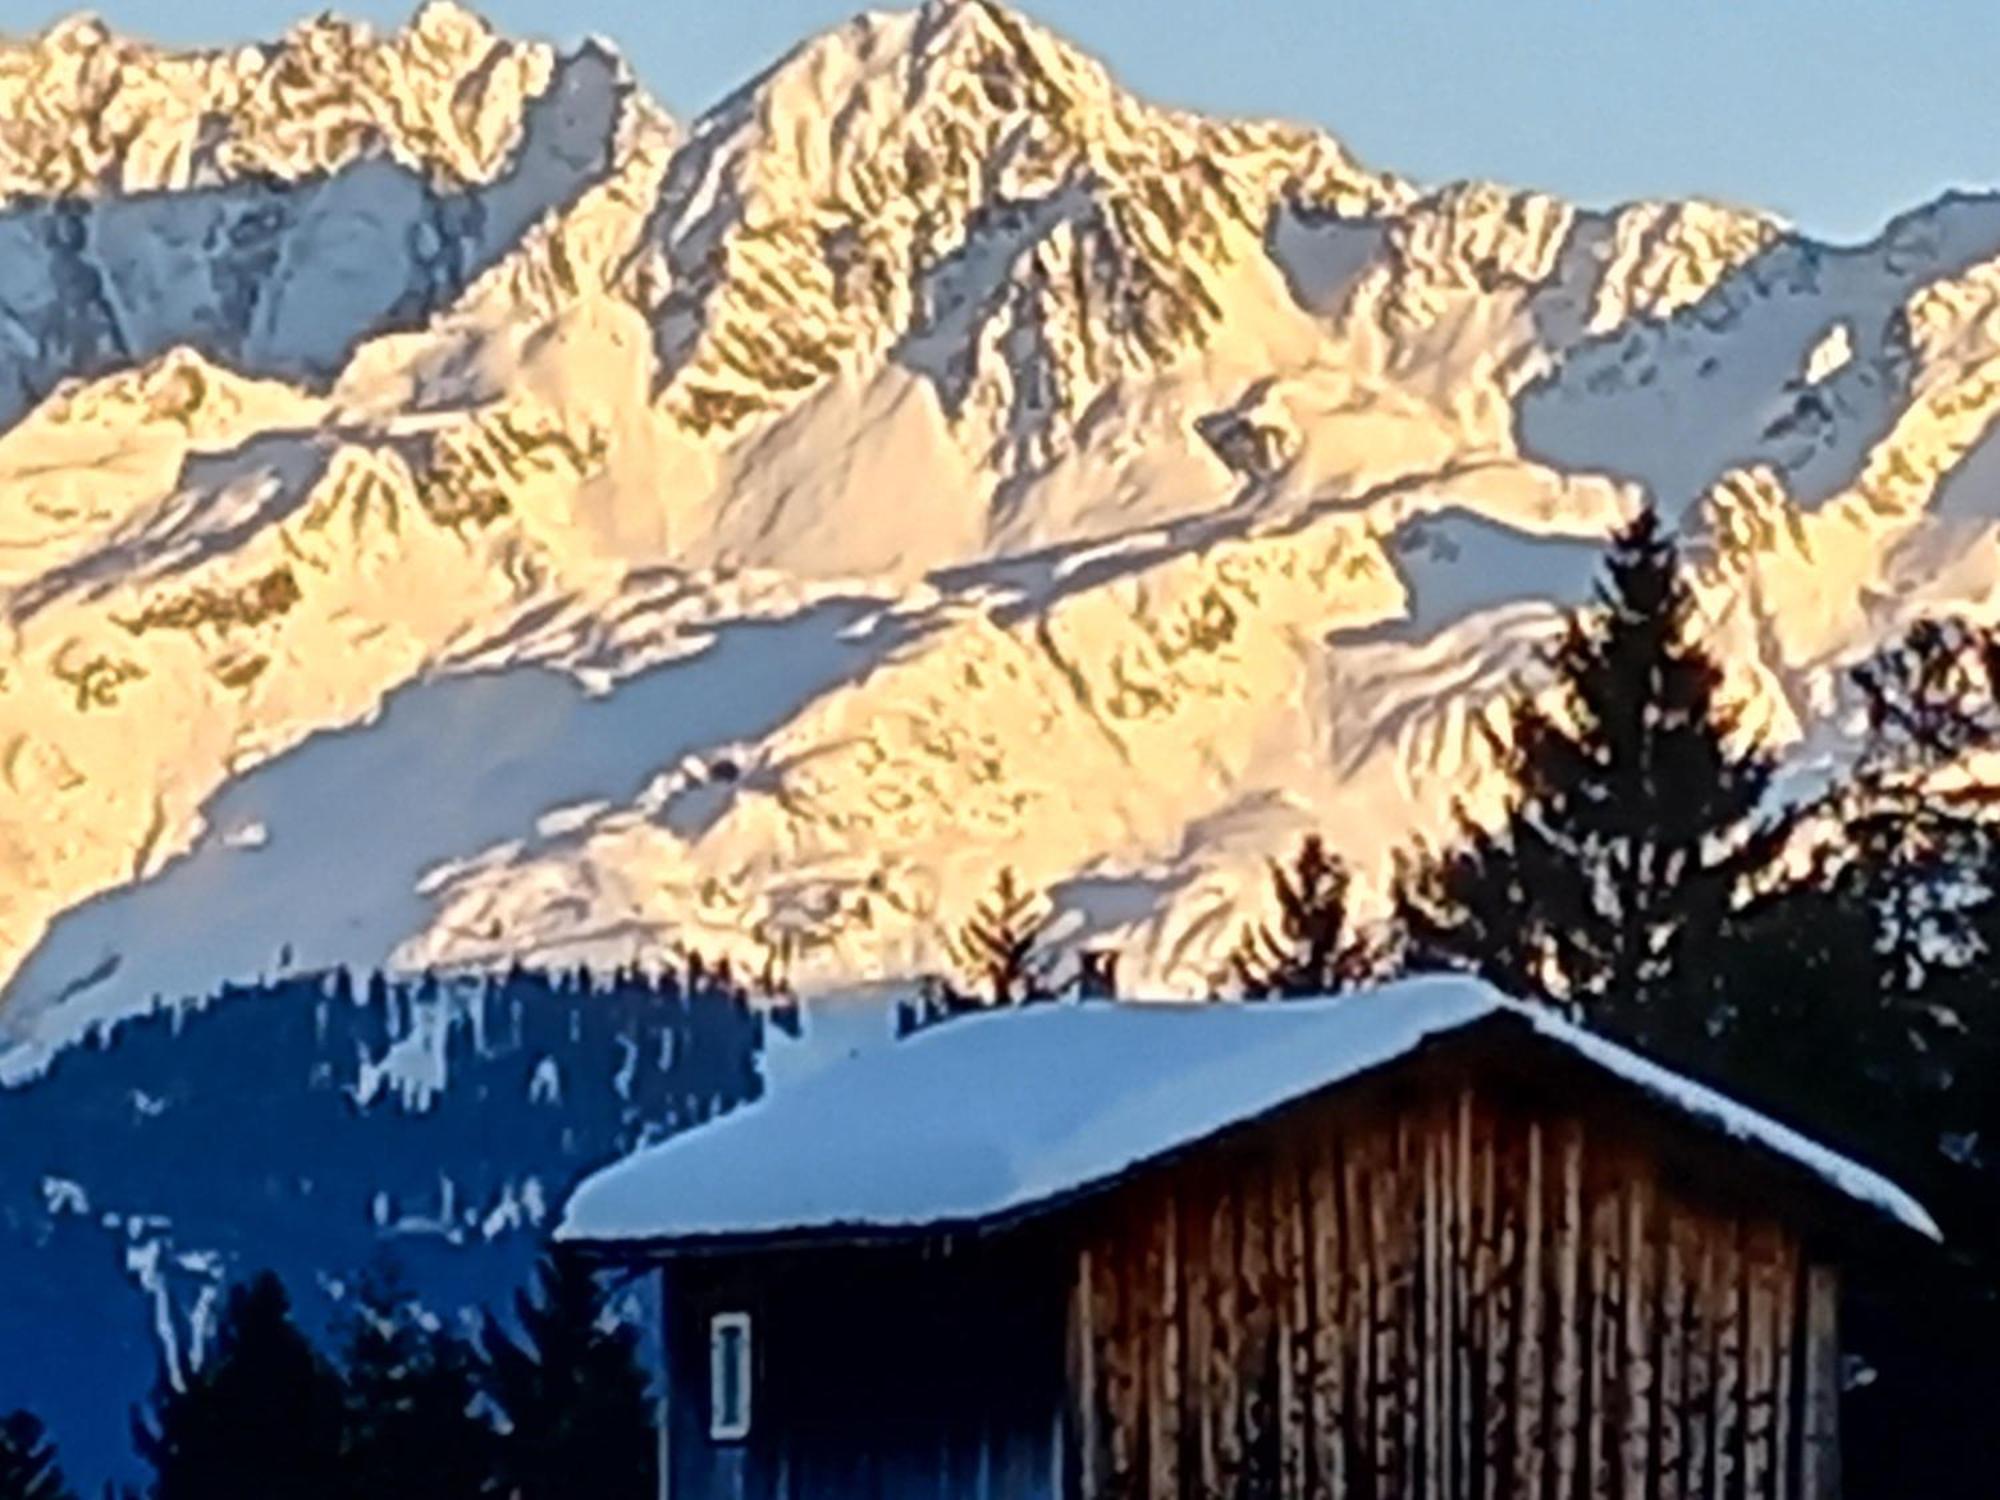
x,y
448,19
957,172
89,112
963,55
1045,476
997,41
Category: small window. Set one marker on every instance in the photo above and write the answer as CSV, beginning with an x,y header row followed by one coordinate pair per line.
x,y
729,1377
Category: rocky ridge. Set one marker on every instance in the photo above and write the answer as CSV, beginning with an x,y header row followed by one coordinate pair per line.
x,y
934,457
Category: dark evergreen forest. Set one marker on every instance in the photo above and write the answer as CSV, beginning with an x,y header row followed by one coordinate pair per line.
x,y
312,1125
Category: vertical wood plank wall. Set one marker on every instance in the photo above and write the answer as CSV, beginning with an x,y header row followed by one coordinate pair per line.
x,y
1450,1302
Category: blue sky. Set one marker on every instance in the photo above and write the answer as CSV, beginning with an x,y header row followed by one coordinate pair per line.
x,y
1835,113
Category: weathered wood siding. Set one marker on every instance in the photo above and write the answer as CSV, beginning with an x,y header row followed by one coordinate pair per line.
x,y
1447,1299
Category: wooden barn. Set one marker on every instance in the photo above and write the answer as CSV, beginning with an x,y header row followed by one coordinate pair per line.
x,y
1421,1242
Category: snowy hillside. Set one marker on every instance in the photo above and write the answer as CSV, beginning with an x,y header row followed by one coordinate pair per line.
x,y
451,512
339,1125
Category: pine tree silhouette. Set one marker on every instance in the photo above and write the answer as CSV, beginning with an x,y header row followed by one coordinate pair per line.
x,y
410,1390
1914,824
1902,1023
28,1468
999,948
260,1418
1313,948
998,952
572,1394
1633,824
1862,1000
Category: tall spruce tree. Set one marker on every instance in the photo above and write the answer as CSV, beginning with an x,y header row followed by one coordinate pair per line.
x,y
28,1468
1863,1000
572,1393
411,1428
1919,862
1313,947
1888,931
260,1418
1633,821
1918,829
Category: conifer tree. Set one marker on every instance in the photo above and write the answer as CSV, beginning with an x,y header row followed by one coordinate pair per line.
x,y
411,1428
572,1393
1633,822
998,952
1312,948
1918,829
1802,1023
28,1468
1863,1001
1882,933
999,947
1908,887
261,1416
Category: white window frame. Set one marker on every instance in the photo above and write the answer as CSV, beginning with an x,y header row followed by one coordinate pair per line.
x,y
725,1427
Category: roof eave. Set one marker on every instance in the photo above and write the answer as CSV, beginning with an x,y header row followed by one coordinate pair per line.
x,y
1855,1220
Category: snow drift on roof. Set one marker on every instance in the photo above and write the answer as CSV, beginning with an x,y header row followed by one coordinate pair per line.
x,y
998,1114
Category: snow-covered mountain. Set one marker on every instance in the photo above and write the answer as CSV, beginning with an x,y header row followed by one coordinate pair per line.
x,y
449,511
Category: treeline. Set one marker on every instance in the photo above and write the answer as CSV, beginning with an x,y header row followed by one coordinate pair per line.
x,y
372,1095
303,1123
553,1408
1828,951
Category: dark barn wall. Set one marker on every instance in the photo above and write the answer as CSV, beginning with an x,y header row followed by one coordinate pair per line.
x,y
926,1373
1440,1294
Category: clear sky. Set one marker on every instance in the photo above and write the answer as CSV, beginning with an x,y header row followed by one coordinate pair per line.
x,y
1834,113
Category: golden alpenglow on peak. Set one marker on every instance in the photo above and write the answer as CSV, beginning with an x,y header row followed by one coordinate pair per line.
x,y
1069,483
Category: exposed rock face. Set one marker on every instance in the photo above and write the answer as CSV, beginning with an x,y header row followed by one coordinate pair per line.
x,y
91,115
450,512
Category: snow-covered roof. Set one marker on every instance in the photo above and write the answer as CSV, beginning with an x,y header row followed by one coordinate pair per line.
x,y
999,1114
